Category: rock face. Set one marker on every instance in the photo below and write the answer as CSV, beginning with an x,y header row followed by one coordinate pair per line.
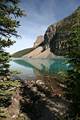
x,y
45,54
40,51
49,34
56,37
34,53
39,41
57,34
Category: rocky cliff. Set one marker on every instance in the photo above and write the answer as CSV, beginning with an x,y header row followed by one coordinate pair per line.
x,y
54,41
39,41
57,34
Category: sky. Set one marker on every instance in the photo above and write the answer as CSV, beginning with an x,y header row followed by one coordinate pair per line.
x,y
39,15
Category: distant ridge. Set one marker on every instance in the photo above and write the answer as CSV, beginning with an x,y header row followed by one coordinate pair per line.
x,y
22,52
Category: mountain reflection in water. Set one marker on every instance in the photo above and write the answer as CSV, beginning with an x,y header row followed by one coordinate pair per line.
x,y
40,69
44,66
27,67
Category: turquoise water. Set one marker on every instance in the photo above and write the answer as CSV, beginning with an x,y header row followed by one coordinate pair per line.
x,y
29,68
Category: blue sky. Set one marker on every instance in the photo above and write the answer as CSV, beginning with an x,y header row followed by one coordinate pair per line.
x,y
40,14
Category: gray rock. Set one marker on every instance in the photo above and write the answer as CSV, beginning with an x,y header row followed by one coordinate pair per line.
x,y
34,89
40,82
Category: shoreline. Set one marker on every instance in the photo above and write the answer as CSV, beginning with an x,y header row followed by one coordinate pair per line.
x,y
33,100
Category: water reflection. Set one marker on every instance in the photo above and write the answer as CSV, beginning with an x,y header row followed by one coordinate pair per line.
x,y
27,67
43,66
25,72
41,69
48,66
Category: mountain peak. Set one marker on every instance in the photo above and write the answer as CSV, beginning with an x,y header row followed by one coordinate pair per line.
x,y
38,41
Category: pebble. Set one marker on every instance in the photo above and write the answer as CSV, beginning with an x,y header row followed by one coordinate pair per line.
x,y
34,89
13,116
39,82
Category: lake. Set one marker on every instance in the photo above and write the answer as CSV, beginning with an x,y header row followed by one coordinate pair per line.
x,y
29,69
41,69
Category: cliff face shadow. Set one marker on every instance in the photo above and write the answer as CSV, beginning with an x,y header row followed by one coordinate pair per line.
x,y
39,104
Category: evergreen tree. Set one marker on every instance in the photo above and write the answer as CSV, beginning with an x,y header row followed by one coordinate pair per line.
x,y
72,91
9,12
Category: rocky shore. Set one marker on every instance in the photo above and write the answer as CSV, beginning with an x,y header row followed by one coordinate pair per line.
x,y
34,101
39,103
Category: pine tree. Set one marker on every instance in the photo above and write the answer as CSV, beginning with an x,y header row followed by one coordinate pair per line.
x,y
72,91
9,13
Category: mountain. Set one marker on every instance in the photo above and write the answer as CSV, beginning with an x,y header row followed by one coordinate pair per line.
x,y
25,52
55,38
39,41
22,52
45,54
57,34
34,53
39,51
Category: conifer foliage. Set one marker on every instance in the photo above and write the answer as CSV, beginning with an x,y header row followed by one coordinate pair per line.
x,y
72,91
9,13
